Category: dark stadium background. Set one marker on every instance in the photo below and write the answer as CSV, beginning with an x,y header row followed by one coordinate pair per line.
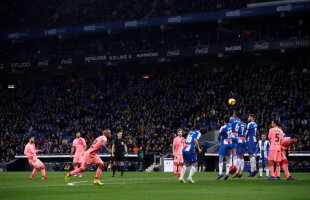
x,y
60,73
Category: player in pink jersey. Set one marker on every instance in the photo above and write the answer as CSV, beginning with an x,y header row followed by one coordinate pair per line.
x,y
275,137
31,152
286,143
77,151
90,157
177,147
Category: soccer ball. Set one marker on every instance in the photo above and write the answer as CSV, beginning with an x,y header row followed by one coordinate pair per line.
x,y
231,101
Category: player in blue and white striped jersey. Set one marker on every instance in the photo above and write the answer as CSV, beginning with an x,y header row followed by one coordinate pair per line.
x,y
225,147
262,150
234,120
241,128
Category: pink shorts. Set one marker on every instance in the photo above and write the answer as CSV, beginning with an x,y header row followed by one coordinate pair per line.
x,y
91,159
37,164
274,156
283,156
78,158
178,158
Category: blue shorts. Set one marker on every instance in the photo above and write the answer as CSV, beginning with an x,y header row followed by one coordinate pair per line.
x,y
234,144
251,147
189,157
241,147
225,149
263,161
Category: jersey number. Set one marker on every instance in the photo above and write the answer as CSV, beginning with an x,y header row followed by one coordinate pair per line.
x,y
242,129
277,137
189,139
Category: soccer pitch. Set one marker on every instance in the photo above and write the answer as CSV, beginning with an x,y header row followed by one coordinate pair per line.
x,y
148,186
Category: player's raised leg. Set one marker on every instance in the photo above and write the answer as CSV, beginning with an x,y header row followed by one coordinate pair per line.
x,y
33,173
40,165
81,169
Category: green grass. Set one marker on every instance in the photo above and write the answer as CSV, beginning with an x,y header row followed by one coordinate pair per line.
x,y
149,186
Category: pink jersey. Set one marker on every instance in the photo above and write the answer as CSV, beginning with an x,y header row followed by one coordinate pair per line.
x,y
98,143
286,143
79,144
275,136
31,152
178,144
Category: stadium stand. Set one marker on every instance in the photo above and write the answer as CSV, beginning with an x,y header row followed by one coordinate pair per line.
x,y
149,104
54,110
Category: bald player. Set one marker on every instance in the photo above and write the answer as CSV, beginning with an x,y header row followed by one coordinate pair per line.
x,y
91,157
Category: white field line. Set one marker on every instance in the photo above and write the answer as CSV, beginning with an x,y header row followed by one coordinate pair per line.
x,y
88,183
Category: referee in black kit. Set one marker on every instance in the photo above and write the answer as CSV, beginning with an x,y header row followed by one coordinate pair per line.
x,y
119,150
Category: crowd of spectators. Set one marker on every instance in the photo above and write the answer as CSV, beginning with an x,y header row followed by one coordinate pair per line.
x,y
24,15
150,110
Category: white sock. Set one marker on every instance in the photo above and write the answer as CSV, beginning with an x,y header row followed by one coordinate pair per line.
x,y
253,163
231,160
192,172
242,164
235,160
227,168
267,171
220,168
260,171
183,171
238,164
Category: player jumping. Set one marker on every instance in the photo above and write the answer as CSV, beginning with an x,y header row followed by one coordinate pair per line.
x,y
189,154
31,152
241,127
263,151
91,157
250,135
77,151
225,147
234,120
